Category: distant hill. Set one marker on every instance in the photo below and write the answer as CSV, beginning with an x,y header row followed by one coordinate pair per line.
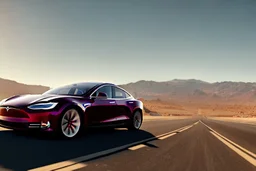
x,y
192,90
177,90
9,88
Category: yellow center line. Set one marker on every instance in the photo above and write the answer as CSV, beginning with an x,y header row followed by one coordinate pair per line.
x,y
73,167
77,161
164,137
137,147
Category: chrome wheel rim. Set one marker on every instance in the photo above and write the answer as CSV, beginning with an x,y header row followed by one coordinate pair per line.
x,y
137,120
70,123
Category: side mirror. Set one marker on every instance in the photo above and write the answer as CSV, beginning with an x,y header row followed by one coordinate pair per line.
x,y
102,95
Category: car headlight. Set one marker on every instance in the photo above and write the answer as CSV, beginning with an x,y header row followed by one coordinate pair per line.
x,y
43,106
1,102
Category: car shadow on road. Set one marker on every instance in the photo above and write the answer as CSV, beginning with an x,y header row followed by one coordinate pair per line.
x,y
23,151
150,145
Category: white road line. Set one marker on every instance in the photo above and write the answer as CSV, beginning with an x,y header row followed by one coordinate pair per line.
x,y
237,150
72,162
247,151
164,137
246,154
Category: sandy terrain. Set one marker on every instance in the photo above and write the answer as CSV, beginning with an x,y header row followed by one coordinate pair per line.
x,y
223,110
251,121
149,118
165,108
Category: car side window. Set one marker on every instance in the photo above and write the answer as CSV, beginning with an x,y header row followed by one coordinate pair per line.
x,y
120,94
78,92
127,95
105,89
64,91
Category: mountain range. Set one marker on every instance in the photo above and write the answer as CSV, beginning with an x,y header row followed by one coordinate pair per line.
x,y
193,90
190,90
9,88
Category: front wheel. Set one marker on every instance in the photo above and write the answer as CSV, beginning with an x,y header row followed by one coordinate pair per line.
x,y
136,121
70,123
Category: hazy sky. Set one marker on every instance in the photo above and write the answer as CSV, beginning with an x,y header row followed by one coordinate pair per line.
x,y
56,42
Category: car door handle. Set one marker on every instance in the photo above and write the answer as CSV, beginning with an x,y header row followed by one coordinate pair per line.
x,y
112,102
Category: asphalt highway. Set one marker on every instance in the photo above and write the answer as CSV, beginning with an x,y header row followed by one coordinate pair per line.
x,y
186,144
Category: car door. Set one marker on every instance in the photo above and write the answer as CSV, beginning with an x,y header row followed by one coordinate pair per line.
x,y
102,110
123,104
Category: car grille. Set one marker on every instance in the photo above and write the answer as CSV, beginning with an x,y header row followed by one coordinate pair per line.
x,y
13,125
13,112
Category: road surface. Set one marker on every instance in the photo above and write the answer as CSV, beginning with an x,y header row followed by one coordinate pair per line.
x,y
183,144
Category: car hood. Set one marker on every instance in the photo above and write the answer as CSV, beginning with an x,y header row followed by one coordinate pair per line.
x,y
24,100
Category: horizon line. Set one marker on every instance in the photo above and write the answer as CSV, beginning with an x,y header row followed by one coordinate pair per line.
x,y
176,79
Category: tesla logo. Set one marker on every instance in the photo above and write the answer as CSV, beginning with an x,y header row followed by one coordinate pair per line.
x,y
7,108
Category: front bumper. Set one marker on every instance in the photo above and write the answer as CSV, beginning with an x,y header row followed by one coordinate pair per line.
x,y
19,119
24,125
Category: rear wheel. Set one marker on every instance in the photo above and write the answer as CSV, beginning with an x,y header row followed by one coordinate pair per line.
x,y
70,123
136,121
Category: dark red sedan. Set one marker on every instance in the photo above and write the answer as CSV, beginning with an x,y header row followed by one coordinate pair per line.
x,y
69,109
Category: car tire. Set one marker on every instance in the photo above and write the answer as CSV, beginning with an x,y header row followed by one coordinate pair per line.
x,y
70,123
136,121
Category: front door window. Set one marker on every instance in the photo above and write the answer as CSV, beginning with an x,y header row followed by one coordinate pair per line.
x,y
106,89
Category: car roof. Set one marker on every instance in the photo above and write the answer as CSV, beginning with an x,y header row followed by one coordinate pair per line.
x,y
93,83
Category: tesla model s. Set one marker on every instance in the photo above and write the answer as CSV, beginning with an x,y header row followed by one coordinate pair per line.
x,y
70,109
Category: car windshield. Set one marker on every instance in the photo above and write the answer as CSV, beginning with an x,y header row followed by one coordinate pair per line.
x,y
74,90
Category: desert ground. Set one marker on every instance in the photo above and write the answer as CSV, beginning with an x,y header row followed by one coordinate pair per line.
x,y
167,108
177,133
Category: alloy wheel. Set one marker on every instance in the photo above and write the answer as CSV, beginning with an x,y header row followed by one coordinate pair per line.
x,y
137,120
70,123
